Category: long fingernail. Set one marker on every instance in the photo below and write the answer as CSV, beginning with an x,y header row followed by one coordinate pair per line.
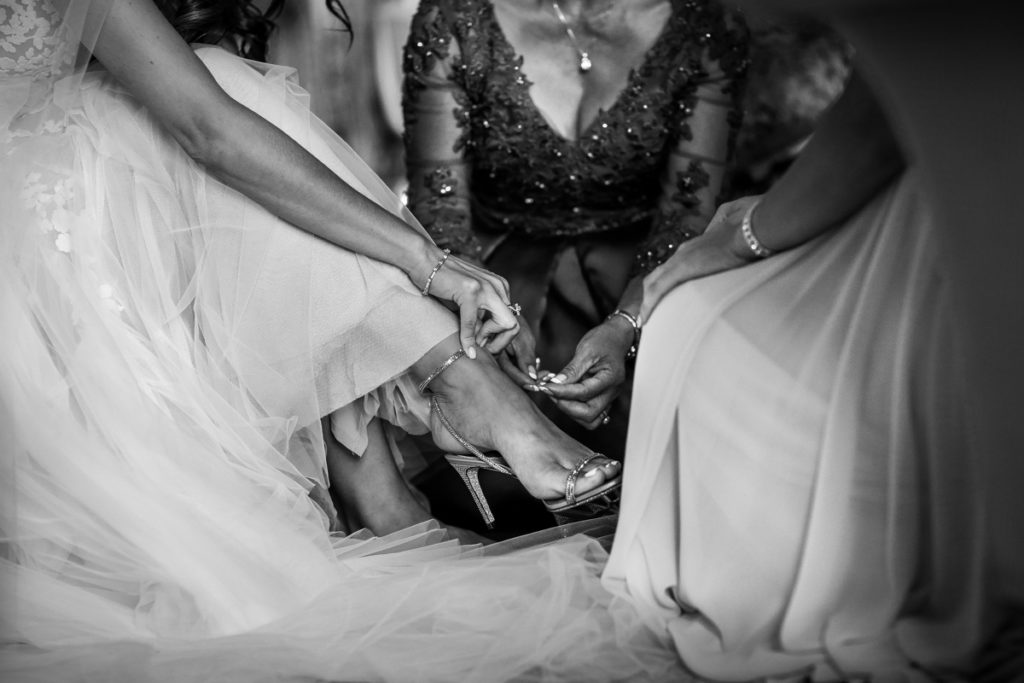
x,y
471,352
544,390
531,387
532,372
558,379
536,361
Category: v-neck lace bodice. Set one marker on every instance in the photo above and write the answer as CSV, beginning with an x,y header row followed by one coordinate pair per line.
x,y
484,161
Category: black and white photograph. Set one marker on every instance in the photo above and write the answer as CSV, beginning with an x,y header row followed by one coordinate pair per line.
x,y
491,341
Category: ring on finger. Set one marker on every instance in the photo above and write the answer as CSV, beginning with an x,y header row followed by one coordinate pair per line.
x,y
605,417
516,309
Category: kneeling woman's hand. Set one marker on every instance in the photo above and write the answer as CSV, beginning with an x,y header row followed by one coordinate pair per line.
x,y
585,388
485,315
719,248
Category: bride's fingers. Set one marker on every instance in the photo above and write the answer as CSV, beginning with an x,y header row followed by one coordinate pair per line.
x,y
501,340
502,317
509,367
494,337
467,329
524,346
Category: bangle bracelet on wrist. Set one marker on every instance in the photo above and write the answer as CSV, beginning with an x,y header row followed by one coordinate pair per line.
x,y
430,278
746,227
632,320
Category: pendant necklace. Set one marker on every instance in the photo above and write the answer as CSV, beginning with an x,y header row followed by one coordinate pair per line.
x,y
585,62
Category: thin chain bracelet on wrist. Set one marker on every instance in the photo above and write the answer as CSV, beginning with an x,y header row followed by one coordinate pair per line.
x,y
430,278
747,229
632,320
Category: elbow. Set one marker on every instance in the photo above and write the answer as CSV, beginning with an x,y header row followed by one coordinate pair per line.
x,y
204,138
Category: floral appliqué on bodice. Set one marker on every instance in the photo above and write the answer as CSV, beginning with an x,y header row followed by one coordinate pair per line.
x,y
509,171
32,40
36,52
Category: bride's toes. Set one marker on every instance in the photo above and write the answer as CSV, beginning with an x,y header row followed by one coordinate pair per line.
x,y
595,472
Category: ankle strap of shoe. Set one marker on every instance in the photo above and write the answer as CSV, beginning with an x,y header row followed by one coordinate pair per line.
x,y
441,368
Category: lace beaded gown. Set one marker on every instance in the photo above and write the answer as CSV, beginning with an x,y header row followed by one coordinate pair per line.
x,y
169,349
801,495
566,222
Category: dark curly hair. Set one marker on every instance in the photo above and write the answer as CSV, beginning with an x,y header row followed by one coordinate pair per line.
x,y
238,22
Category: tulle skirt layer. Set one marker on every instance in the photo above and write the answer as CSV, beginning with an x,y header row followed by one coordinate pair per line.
x,y
410,607
188,277
170,348
800,495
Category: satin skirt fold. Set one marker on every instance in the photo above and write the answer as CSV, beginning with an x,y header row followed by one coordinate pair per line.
x,y
800,495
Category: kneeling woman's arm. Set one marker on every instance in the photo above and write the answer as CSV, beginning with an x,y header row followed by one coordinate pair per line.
x,y
140,48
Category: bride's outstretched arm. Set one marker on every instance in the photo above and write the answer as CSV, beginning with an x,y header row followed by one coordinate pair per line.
x,y
140,48
852,154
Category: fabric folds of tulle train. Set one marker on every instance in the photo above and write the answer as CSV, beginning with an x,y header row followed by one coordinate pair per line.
x,y
169,350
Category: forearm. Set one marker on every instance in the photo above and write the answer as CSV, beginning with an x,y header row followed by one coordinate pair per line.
x,y
851,155
141,50
632,296
260,161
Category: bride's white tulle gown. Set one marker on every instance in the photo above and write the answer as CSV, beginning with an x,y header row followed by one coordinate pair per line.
x,y
169,349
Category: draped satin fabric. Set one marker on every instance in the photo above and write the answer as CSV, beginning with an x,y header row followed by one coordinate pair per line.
x,y
802,494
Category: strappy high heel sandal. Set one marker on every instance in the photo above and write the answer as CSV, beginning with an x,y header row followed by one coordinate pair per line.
x,y
599,501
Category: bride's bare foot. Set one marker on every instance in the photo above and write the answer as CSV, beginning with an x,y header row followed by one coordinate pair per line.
x,y
492,413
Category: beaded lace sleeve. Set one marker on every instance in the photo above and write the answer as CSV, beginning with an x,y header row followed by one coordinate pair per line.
x,y
709,111
434,107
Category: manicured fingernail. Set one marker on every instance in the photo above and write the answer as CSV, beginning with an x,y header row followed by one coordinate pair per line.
x,y
592,472
531,387
532,372
536,361
471,352
544,390
557,379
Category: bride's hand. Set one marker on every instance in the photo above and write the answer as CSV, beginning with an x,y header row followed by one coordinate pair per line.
x,y
719,248
519,359
485,318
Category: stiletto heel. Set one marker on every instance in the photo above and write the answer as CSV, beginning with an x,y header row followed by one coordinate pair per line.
x,y
601,500
468,468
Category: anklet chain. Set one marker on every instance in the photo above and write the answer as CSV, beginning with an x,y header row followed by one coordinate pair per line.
x,y
441,368
474,451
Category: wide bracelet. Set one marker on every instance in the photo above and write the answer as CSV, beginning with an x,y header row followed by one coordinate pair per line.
x,y
430,278
629,317
747,229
